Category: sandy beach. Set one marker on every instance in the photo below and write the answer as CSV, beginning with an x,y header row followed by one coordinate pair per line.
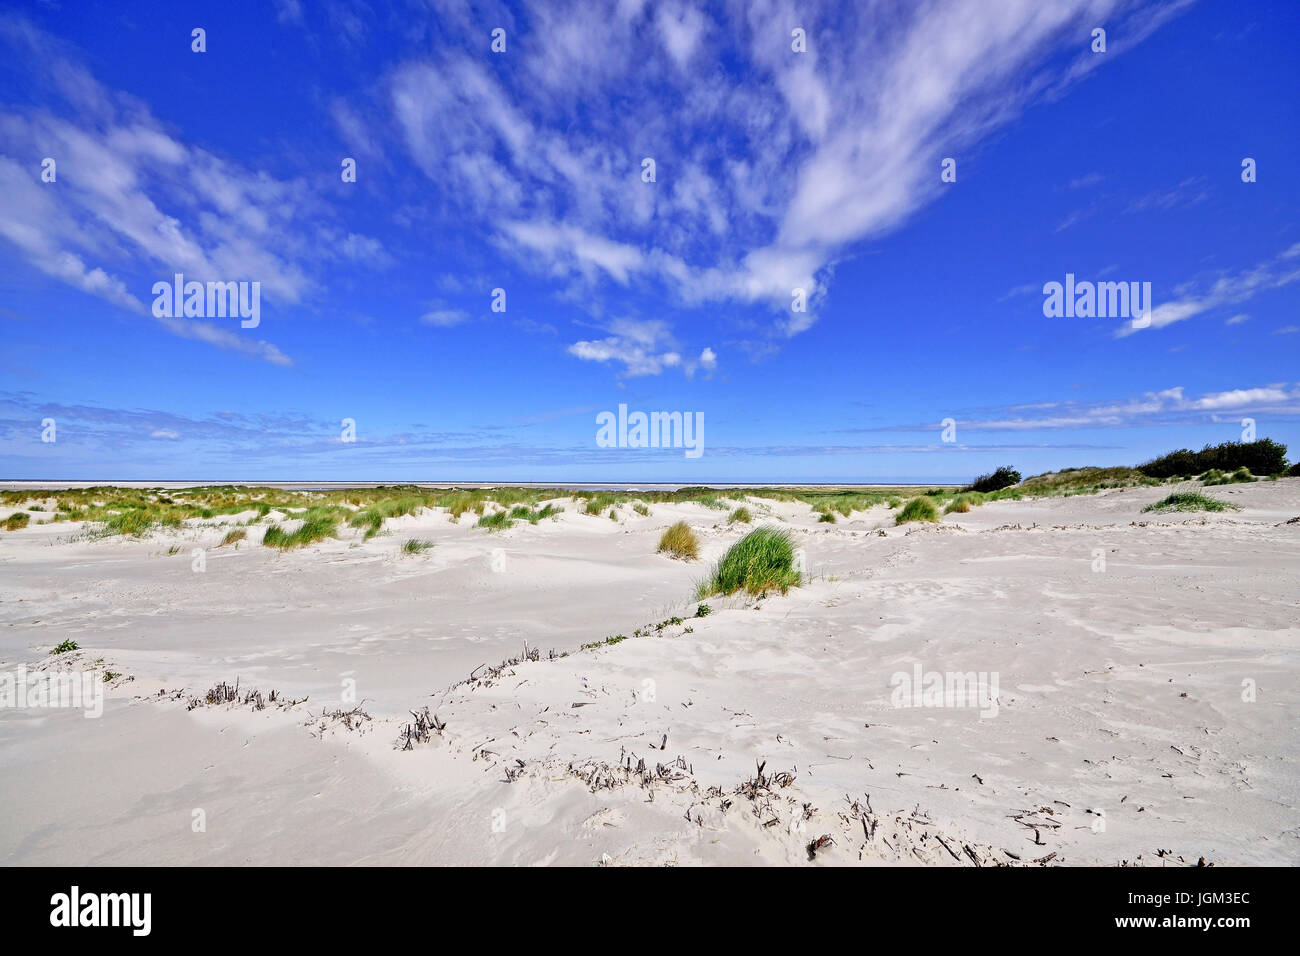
x,y
1137,698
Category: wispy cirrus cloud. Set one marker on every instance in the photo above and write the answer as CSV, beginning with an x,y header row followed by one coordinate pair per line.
x,y
1166,406
132,203
1228,290
763,180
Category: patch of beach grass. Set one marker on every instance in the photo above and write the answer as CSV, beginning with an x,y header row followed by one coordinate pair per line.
x,y
1190,501
19,519
232,536
416,546
680,541
761,561
918,509
317,524
740,516
612,639
497,521
964,503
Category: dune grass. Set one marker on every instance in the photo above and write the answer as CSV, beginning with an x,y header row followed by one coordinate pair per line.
x,y
641,508
918,509
964,503
416,546
761,561
740,516
497,521
680,541
534,515
1216,477
232,536
1190,501
317,525
827,517
18,519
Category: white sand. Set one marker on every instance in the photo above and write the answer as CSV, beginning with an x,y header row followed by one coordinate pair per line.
x,y
1120,692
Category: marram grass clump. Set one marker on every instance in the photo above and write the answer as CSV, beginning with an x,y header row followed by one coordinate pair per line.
x,y
317,524
918,509
761,561
679,541
1190,501
963,503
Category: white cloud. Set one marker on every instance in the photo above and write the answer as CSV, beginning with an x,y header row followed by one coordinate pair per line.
x,y
642,347
1227,290
444,318
1166,405
764,178
680,29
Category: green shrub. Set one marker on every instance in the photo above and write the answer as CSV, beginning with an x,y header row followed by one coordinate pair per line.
x,y
1263,457
827,516
1003,477
761,561
66,646
679,541
918,509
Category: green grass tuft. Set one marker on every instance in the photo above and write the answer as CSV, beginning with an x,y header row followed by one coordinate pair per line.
x,y
761,561
17,520
740,515
918,509
1190,501
497,521
317,524
416,546
963,503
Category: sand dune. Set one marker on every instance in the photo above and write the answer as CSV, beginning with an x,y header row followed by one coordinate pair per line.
x,y
1120,730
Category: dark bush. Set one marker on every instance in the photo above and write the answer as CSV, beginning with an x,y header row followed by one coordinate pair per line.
x,y
1263,457
1004,477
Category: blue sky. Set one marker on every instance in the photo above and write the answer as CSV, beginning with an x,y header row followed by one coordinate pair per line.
x,y
522,170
